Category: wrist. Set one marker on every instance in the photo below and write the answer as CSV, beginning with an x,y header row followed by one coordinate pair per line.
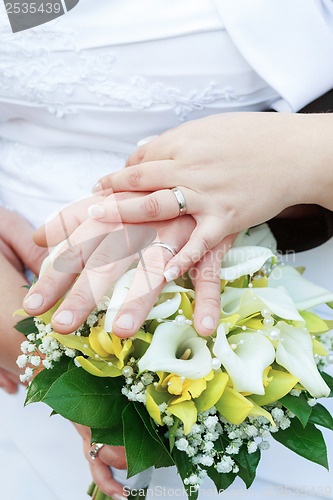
x,y
315,178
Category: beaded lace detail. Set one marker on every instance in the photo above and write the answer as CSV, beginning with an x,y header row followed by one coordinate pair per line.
x,y
43,67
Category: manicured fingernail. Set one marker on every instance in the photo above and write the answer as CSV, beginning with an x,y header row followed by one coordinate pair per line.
x,y
34,301
125,322
146,140
96,211
208,322
98,187
64,318
172,273
118,497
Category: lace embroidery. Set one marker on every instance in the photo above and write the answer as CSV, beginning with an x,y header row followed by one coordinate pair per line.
x,y
61,77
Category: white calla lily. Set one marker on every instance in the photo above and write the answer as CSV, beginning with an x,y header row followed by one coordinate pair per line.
x,y
245,301
260,236
247,362
304,293
295,353
50,258
170,342
164,309
244,260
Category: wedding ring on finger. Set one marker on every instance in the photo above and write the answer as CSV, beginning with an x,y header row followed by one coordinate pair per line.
x,y
95,450
162,244
180,200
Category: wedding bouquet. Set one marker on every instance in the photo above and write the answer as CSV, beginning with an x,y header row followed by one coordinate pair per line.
x,y
205,404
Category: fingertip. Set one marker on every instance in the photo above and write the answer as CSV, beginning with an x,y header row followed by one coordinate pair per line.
x,y
98,187
204,329
124,326
39,237
172,272
96,211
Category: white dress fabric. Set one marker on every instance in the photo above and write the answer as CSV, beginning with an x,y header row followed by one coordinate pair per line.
x,y
76,95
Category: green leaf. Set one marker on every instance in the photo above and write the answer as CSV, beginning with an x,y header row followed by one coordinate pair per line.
x,y
43,382
172,433
26,326
142,451
113,436
165,459
329,381
248,463
87,400
299,406
185,469
321,416
222,481
308,442
144,415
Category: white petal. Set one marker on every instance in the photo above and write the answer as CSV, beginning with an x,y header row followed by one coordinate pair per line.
x,y
247,363
170,340
50,258
163,310
244,260
166,309
260,236
295,354
245,302
304,293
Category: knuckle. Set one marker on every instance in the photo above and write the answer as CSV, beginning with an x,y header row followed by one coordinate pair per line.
x,y
210,276
151,207
98,260
212,302
79,297
206,244
49,282
140,154
134,177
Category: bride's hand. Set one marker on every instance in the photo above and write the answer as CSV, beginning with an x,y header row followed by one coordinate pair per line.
x,y
99,252
235,171
108,456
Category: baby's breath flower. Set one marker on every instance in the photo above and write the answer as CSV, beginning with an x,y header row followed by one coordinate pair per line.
x,y
22,361
252,447
181,444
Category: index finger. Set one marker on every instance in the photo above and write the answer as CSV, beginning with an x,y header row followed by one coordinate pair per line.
x,y
149,176
63,224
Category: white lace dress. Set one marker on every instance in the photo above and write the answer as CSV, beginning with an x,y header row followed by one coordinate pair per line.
x,y
76,95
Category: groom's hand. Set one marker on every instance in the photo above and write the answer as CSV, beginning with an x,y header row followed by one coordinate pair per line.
x,y
8,381
108,456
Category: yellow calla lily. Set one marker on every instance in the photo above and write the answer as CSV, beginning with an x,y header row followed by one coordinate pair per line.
x,y
47,316
260,412
74,342
233,406
96,344
186,306
20,312
154,398
260,282
313,323
281,384
212,393
186,412
319,348
98,368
